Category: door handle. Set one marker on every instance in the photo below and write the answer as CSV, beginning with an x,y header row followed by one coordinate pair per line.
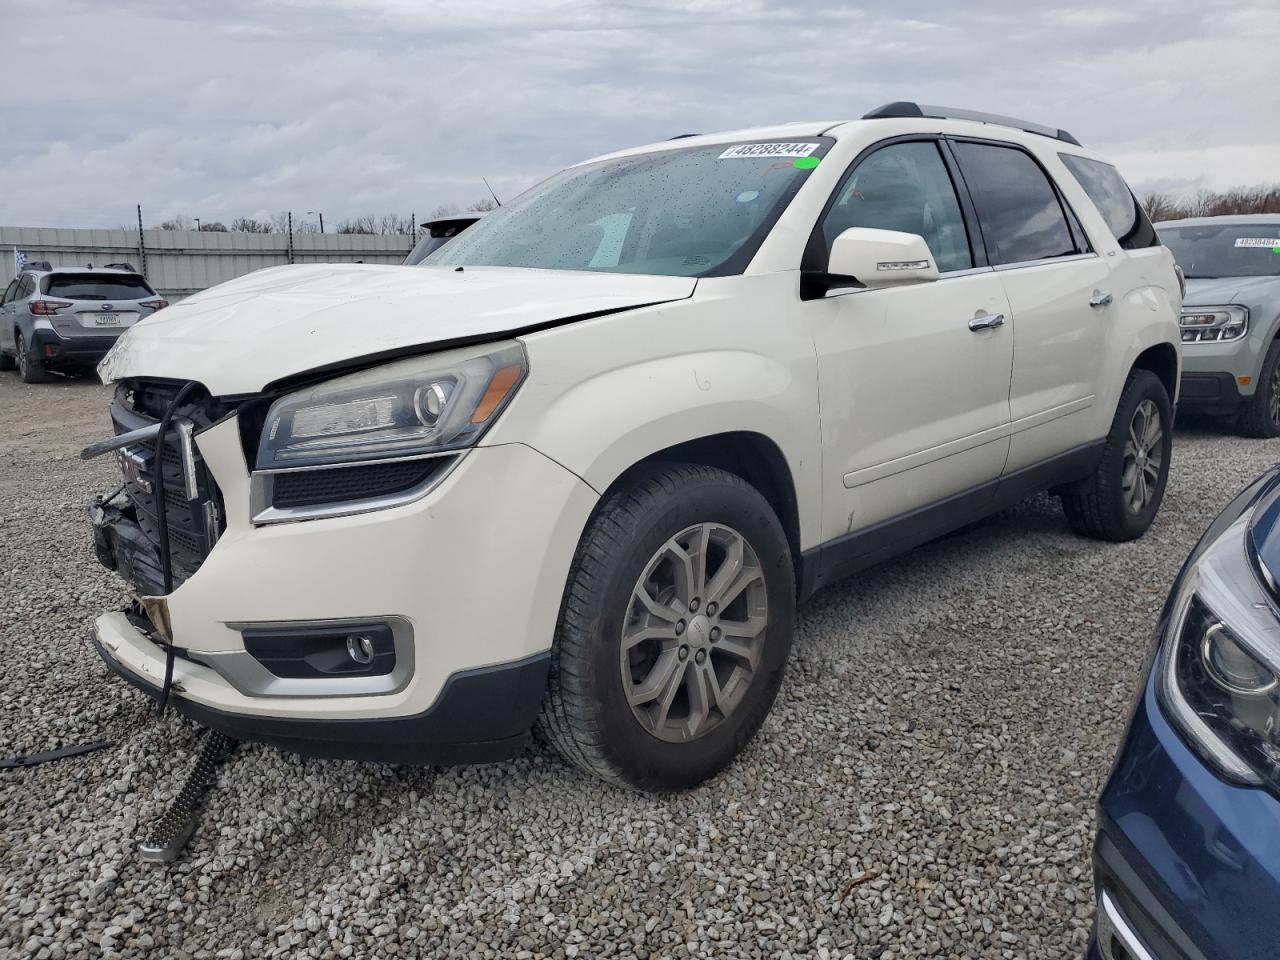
x,y
1099,299
986,322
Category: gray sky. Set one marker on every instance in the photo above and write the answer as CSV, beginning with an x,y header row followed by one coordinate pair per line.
x,y
220,108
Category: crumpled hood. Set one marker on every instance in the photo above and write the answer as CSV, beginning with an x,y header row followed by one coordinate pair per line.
x,y
239,336
1216,291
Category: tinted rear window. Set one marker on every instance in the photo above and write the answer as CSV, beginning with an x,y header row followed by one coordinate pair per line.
x,y
1114,200
1018,209
98,286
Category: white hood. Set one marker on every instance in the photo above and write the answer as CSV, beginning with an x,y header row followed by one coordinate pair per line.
x,y
239,336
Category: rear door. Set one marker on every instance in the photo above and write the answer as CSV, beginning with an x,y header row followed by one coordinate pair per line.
x,y
1050,275
915,402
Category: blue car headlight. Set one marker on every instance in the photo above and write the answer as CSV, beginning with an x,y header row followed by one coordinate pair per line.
x,y
1219,667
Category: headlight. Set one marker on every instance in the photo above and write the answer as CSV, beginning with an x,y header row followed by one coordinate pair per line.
x,y
425,405
379,438
1219,676
1200,324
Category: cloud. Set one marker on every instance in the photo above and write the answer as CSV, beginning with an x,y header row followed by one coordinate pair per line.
x,y
220,108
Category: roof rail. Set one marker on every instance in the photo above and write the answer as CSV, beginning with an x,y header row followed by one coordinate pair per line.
x,y
905,108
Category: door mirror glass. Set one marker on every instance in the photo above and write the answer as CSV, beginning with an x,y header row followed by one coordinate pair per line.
x,y
881,258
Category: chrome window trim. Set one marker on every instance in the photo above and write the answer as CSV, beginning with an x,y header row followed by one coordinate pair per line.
x,y
262,484
1070,258
248,675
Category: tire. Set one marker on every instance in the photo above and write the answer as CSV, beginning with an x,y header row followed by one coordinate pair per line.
x,y
586,714
1261,415
30,367
1104,507
7,362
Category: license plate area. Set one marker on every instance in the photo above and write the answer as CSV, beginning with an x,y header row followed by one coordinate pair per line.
x,y
107,319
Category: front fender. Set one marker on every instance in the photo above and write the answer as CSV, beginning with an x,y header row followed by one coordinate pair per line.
x,y
661,377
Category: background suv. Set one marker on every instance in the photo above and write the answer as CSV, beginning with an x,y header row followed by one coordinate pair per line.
x,y
1231,317
69,318
578,467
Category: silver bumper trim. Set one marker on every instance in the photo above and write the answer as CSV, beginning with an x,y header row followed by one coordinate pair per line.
x,y
1113,928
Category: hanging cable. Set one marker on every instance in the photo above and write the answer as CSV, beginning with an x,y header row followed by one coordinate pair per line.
x,y
162,523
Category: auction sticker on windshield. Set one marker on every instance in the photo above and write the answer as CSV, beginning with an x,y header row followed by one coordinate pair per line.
x,y
753,150
1265,242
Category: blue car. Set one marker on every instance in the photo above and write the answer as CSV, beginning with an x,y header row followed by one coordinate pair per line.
x,y
1187,858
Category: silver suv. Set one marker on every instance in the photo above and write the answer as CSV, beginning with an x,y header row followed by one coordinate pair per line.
x,y
70,317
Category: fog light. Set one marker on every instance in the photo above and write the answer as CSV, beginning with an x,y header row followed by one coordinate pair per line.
x,y
360,649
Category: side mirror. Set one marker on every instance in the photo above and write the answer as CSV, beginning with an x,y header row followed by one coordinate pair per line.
x,y
879,258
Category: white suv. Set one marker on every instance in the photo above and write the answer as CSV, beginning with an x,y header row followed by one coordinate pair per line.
x,y
577,469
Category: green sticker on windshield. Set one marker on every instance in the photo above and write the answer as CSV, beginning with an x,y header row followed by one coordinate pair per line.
x,y
807,163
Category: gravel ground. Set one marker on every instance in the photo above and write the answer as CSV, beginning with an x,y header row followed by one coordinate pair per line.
x,y
924,786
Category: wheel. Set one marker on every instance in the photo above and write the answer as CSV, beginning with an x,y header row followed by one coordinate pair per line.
x,y
30,367
674,629
7,362
1121,499
1261,416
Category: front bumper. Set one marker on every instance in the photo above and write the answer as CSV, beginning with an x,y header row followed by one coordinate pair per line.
x,y
1190,862
1210,392
476,569
481,716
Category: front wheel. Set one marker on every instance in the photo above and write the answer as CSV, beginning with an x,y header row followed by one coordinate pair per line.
x,y
674,630
1261,416
1121,499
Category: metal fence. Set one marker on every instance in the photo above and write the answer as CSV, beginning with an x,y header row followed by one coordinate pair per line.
x,y
181,262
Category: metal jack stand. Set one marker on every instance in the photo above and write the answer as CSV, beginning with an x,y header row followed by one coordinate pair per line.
x,y
169,835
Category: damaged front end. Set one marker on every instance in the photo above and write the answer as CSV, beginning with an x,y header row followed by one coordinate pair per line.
x,y
169,502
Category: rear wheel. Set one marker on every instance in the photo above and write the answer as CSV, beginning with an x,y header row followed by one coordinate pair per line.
x,y
1261,416
1121,499
674,630
30,367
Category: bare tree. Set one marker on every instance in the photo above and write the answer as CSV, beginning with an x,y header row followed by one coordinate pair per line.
x,y
393,223
180,222
483,205
249,225
444,210
213,226
363,224
1210,203
280,222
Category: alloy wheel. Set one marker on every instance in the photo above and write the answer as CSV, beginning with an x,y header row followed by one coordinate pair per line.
x,y
694,632
1143,457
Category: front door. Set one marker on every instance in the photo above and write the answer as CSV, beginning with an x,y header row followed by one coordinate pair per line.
x,y
914,399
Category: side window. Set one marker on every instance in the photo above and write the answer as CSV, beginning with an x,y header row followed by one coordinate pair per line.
x,y
1114,200
25,287
9,292
906,187
1018,209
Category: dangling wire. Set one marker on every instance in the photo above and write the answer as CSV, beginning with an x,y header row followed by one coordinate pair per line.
x,y
162,522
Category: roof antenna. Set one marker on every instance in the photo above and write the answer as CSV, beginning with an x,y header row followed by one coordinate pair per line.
x,y
491,193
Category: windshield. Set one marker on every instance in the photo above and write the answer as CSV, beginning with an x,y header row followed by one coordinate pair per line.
x,y
1225,249
436,236
696,211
